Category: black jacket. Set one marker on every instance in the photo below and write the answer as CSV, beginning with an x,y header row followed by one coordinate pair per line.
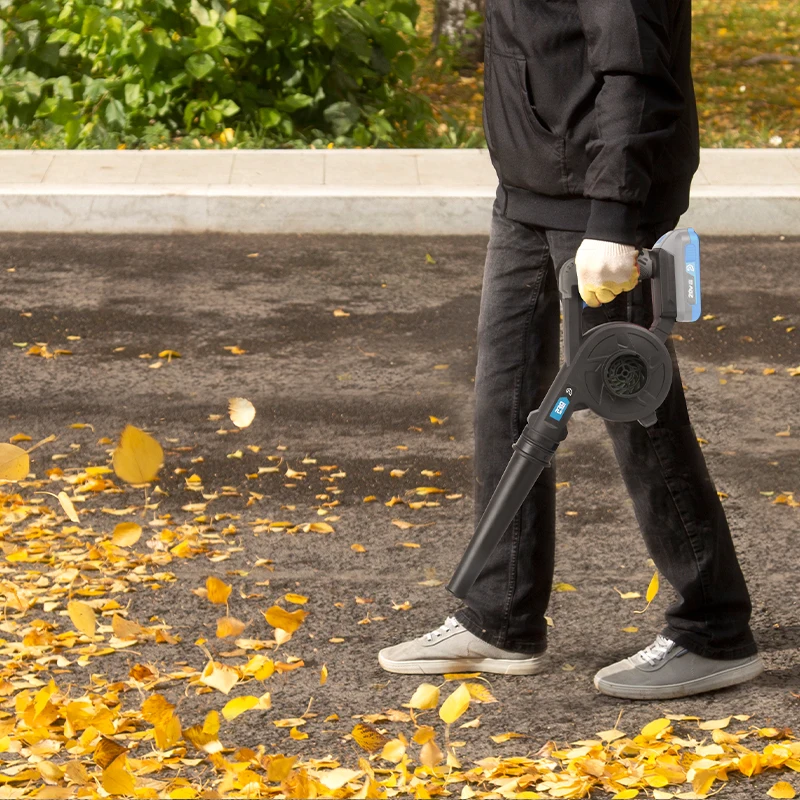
x,y
589,112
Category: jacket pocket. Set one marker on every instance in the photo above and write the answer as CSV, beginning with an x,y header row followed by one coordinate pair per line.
x,y
528,155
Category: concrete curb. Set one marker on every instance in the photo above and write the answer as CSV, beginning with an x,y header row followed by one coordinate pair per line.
x,y
422,192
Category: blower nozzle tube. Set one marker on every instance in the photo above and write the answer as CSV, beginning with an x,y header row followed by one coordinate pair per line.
x,y
533,451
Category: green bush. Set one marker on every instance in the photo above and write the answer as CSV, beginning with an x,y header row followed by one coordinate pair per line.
x,y
293,71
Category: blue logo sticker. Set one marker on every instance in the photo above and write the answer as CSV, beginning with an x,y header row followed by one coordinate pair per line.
x,y
559,408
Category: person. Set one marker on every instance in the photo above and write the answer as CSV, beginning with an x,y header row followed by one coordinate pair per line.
x,y
591,125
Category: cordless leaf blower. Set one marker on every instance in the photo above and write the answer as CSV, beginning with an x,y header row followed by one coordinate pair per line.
x,y
619,370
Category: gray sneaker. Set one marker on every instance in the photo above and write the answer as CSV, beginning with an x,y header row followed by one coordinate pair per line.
x,y
665,670
452,648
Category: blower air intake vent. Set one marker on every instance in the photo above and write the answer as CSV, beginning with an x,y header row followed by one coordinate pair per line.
x,y
625,374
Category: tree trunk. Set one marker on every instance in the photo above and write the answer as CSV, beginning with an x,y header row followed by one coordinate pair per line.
x,y
449,19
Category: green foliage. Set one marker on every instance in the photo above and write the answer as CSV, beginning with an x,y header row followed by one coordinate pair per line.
x,y
292,72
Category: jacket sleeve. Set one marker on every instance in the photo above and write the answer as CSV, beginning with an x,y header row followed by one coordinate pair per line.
x,y
637,108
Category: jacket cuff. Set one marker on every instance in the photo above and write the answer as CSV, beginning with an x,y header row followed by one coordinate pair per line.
x,y
612,221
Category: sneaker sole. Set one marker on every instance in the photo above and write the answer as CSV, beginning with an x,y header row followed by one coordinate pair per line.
x,y
498,666
719,680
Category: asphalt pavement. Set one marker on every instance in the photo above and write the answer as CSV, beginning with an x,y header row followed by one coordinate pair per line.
x,y
350,345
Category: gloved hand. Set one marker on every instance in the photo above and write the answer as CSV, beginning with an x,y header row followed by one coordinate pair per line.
x,y
605,269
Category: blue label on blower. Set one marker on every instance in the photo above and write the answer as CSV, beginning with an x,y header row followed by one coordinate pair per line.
x,y
559,408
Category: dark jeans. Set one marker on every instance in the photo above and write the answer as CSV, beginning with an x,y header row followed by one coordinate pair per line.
x,y
674,499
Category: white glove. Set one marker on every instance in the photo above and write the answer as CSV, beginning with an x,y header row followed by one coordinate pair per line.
x,y
605,269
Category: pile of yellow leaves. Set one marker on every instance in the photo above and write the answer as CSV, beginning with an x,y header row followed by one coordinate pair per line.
x,y
59,584
87,746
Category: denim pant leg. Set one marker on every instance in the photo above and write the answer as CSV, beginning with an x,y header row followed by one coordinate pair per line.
x,y
674,498
518,359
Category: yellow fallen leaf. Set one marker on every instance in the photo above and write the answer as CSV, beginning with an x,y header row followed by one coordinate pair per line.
x,y
107,751
335,779
259,667
204,737
126,534
625,794
296,734
157,710
117,780
323,675
564,587
218,591
219,676
782,790
52,773
83,617
423,734
241,411
292,722
67,505
211,723
425,696
723,737
631,629
479,692
749,763
652,729
652,589
358,548
318,527
455,705
702,781
229,626
233,708
281,618
126,629
393,750
298,599
368,738
14,462
138,456
714,724
430,754
505,737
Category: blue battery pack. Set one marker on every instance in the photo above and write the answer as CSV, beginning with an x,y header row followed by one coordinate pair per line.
x,y
684,246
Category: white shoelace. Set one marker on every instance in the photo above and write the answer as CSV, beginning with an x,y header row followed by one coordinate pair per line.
x,y
451,623
656,651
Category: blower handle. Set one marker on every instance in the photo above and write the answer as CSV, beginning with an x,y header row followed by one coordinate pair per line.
x,y
658,265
